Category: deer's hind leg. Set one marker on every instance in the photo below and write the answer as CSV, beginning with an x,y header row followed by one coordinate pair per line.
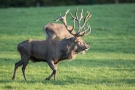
x,y
18,64
24,61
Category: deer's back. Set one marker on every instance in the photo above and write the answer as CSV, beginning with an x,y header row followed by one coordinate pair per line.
x,y
57,31
40,49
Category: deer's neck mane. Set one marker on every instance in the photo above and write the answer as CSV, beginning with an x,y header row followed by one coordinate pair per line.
x,y
67,50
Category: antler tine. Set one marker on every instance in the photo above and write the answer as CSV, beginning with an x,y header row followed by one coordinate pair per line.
x,y
63,18
84,32
66,12
76,13
72,27
81,15
59,18
89,28
72,16
79,20
86,19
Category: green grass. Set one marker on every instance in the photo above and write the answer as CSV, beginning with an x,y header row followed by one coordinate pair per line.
x,y
108,65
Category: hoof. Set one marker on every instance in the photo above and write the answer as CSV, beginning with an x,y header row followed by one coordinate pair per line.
x,y
13,78
47,79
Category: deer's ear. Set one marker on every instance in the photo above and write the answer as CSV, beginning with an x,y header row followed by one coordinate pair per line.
x,y
73,39
77,39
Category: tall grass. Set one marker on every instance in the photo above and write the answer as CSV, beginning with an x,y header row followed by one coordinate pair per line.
x,y
108,64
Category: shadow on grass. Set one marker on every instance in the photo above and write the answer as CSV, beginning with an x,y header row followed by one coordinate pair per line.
x,y
103,63
117,82
70,81
85,63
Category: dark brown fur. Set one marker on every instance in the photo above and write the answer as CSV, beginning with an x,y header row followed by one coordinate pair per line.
x,y
50,51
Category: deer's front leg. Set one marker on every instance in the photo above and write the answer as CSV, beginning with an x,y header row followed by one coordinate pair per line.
x,y
54,68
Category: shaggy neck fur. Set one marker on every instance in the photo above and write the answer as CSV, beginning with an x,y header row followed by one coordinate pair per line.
x,y
68,50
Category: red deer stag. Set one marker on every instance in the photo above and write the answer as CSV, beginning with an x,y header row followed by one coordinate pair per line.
x,y
52,51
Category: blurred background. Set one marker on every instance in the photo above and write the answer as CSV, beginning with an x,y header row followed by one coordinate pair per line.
x,y
47,3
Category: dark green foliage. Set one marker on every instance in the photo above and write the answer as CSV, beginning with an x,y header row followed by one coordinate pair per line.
x,y
37,3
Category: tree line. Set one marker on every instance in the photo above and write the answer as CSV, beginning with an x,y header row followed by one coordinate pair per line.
x,y
38,3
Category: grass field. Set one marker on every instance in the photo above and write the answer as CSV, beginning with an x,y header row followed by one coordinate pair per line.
x,y
108,65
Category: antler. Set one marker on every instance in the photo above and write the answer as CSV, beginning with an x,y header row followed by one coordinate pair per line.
x,y
63,19
79,33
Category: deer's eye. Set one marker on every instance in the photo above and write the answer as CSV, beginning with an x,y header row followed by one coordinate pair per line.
x,y
79,43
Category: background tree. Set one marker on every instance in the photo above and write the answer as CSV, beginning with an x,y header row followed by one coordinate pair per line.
x,y
34,3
